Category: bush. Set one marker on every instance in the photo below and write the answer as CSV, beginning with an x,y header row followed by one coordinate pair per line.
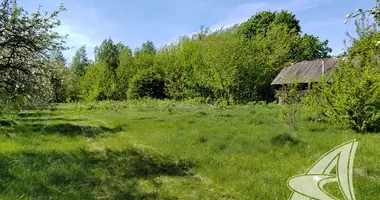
x,y
147,83
98,83
353,98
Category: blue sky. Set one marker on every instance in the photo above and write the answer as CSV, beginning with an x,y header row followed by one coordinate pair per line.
x,y
88,22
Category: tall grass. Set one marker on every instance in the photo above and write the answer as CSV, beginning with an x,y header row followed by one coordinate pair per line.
x,y
151,149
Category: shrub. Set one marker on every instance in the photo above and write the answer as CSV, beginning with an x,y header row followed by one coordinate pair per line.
x,y
98,83
353,98
147,83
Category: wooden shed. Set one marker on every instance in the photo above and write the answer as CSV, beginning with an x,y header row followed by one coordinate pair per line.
x,y
304,73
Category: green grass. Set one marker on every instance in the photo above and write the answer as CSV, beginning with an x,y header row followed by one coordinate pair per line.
x,y
169,150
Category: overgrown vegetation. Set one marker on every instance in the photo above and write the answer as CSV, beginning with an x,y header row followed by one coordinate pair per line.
x,y
140,150
234,64
352,98
212,134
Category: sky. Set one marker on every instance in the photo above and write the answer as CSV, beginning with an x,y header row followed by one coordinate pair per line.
x,y
132,22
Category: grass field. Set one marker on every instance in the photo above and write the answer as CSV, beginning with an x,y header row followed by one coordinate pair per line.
x,y
169,150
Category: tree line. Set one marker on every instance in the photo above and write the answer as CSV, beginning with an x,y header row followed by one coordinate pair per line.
x,y
230,65
233,65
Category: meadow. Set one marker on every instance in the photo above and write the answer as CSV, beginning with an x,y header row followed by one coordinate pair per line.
x,y
169,150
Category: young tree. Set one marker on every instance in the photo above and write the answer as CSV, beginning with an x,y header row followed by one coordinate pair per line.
x,y
353,97
145,55
220,55
108,53
80,61
124,73
98,83
78,68
148,48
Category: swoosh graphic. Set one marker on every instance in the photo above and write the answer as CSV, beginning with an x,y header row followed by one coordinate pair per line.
x,y
312,185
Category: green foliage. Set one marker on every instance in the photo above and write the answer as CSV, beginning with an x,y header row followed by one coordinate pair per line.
x,y
73,86
78,68
145,56
230,65
236,64
310,48
353,98
291,98
108,53
147,83
220,66
80,62
261,21
59,81
124,72
98,83
261,58
148,48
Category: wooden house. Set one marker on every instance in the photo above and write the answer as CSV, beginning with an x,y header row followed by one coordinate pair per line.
x,y
303,74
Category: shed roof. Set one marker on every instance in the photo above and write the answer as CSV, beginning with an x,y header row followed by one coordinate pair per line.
x,y
305,71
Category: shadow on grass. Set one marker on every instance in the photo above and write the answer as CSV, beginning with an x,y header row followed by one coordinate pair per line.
x,y
65,129
48,119
6,123
283,139
85,175
37,114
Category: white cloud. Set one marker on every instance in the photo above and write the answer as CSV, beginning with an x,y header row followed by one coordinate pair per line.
x,y
91,28
88,29
76,38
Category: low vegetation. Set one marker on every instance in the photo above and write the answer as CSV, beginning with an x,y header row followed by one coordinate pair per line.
x,y
153,149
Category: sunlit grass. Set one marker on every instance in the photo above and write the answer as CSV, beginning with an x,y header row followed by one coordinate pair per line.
x,y
239,152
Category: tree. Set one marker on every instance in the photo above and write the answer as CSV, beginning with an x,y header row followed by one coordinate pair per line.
x,y
221,52
306,47
124,72
260,22
58,56
59,80
363,14
80,61
98,83
148,48
78,68
26,41
353,97
309,47
147,83
375,12
108,53
261,59
145,56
